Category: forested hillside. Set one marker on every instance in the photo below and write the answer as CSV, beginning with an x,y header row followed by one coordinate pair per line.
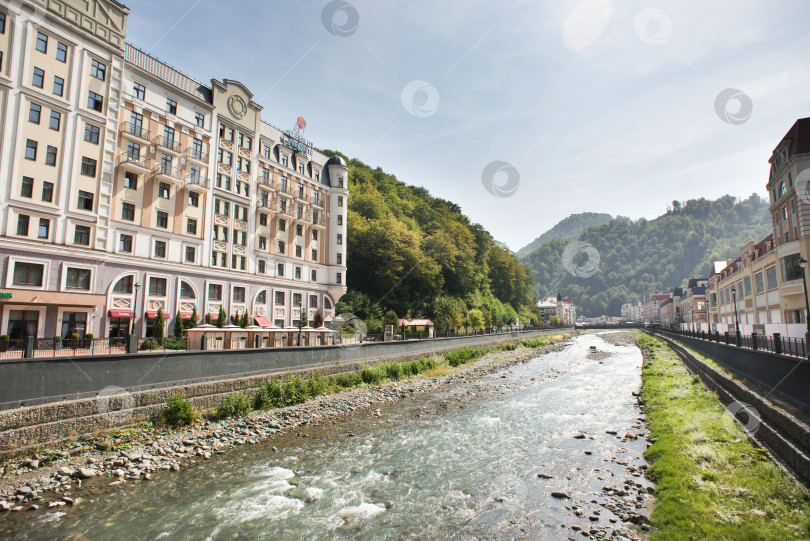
x,y
569,228
419,256
637,257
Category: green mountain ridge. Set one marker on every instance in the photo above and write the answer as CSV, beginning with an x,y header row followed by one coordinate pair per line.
x,y
568,228
634,258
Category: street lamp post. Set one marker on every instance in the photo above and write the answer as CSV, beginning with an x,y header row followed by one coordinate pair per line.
x,y
300,321
135,308
803,265
736,318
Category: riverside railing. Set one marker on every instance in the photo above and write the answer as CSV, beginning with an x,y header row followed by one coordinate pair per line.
x,y
776,343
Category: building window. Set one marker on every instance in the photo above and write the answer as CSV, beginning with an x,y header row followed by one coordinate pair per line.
x,y
340,259
199,118
44,228
28,274
81,235
160,249
61,52
193,199
281,246
191,254
27,189
225,133
39,78
133,151
91,133
191,226
171,106
140,91
790,268
262,243
2,23
214,292
315,234
128,211
284,160
340,219
125,244
56,120
162,219
130,180
186,291
261,266
42,42
314,255
299,230
770,278
759,283
282,225
157,286
340,239
314,278
262,219
98,70
239,294
280,269
279,297
88,166
297,273
34,112
85,200
22,225
297,251
339,279
30,149
164,190
77,279
340,200
95,101
124,285
50,155
58,86
47,191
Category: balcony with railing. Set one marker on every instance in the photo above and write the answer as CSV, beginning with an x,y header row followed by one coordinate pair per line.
x,y
167,143
165,171
266,204
319,222
135,130
316,200
134,162
267,182
196,182
300,195
198,154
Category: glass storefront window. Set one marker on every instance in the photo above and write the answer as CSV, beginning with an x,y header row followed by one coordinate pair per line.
x,y
74,323
22,324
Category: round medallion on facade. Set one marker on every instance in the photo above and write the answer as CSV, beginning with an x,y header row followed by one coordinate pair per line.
x,y
237,106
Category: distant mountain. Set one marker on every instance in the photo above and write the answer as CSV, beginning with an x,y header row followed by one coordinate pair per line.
x,y
569,228
623,260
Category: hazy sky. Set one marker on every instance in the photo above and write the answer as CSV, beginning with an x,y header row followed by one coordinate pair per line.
x,y
592,105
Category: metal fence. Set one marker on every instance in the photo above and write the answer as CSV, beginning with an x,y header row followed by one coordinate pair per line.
x,y
776,343
54,347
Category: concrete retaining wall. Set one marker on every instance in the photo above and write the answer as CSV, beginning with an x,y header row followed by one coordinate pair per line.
x,y
119,407
787,378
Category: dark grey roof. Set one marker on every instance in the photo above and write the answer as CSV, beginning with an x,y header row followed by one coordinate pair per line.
x,y
334,160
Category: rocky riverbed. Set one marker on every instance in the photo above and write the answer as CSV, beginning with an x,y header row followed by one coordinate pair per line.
x,y
130,456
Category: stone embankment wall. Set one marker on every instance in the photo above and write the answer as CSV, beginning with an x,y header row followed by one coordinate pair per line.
x,y
119,406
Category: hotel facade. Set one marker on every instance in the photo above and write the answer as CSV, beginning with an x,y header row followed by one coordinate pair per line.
x,y
130,187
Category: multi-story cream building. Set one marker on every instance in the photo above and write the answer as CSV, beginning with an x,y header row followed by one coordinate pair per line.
x,y
129,186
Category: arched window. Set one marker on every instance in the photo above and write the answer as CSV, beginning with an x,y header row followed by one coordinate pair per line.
x,y
327,304
261,298
186,291
124,285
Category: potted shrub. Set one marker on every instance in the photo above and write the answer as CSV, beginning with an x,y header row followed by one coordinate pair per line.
x,y
3,342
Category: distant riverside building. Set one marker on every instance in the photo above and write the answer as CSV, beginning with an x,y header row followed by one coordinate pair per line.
x,y
562,307
124,178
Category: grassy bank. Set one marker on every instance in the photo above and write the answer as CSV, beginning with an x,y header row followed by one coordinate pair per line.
x,y
712,482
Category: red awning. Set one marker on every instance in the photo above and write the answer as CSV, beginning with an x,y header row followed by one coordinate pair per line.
x,y
152,314
121,313
262,321
186,315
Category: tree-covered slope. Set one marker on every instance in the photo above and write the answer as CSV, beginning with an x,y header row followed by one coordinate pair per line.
x,y
419,256
569,228
637,257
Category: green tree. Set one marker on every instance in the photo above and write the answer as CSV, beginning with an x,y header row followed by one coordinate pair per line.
x,y
391,319
159,325
208,319
303,321
222,318
476,319
554,321
317,321
178,325
194,321
244,321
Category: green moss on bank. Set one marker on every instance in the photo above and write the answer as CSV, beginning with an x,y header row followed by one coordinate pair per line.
x,y
712,482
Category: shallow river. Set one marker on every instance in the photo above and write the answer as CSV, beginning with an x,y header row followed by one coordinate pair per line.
x,y
462,464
